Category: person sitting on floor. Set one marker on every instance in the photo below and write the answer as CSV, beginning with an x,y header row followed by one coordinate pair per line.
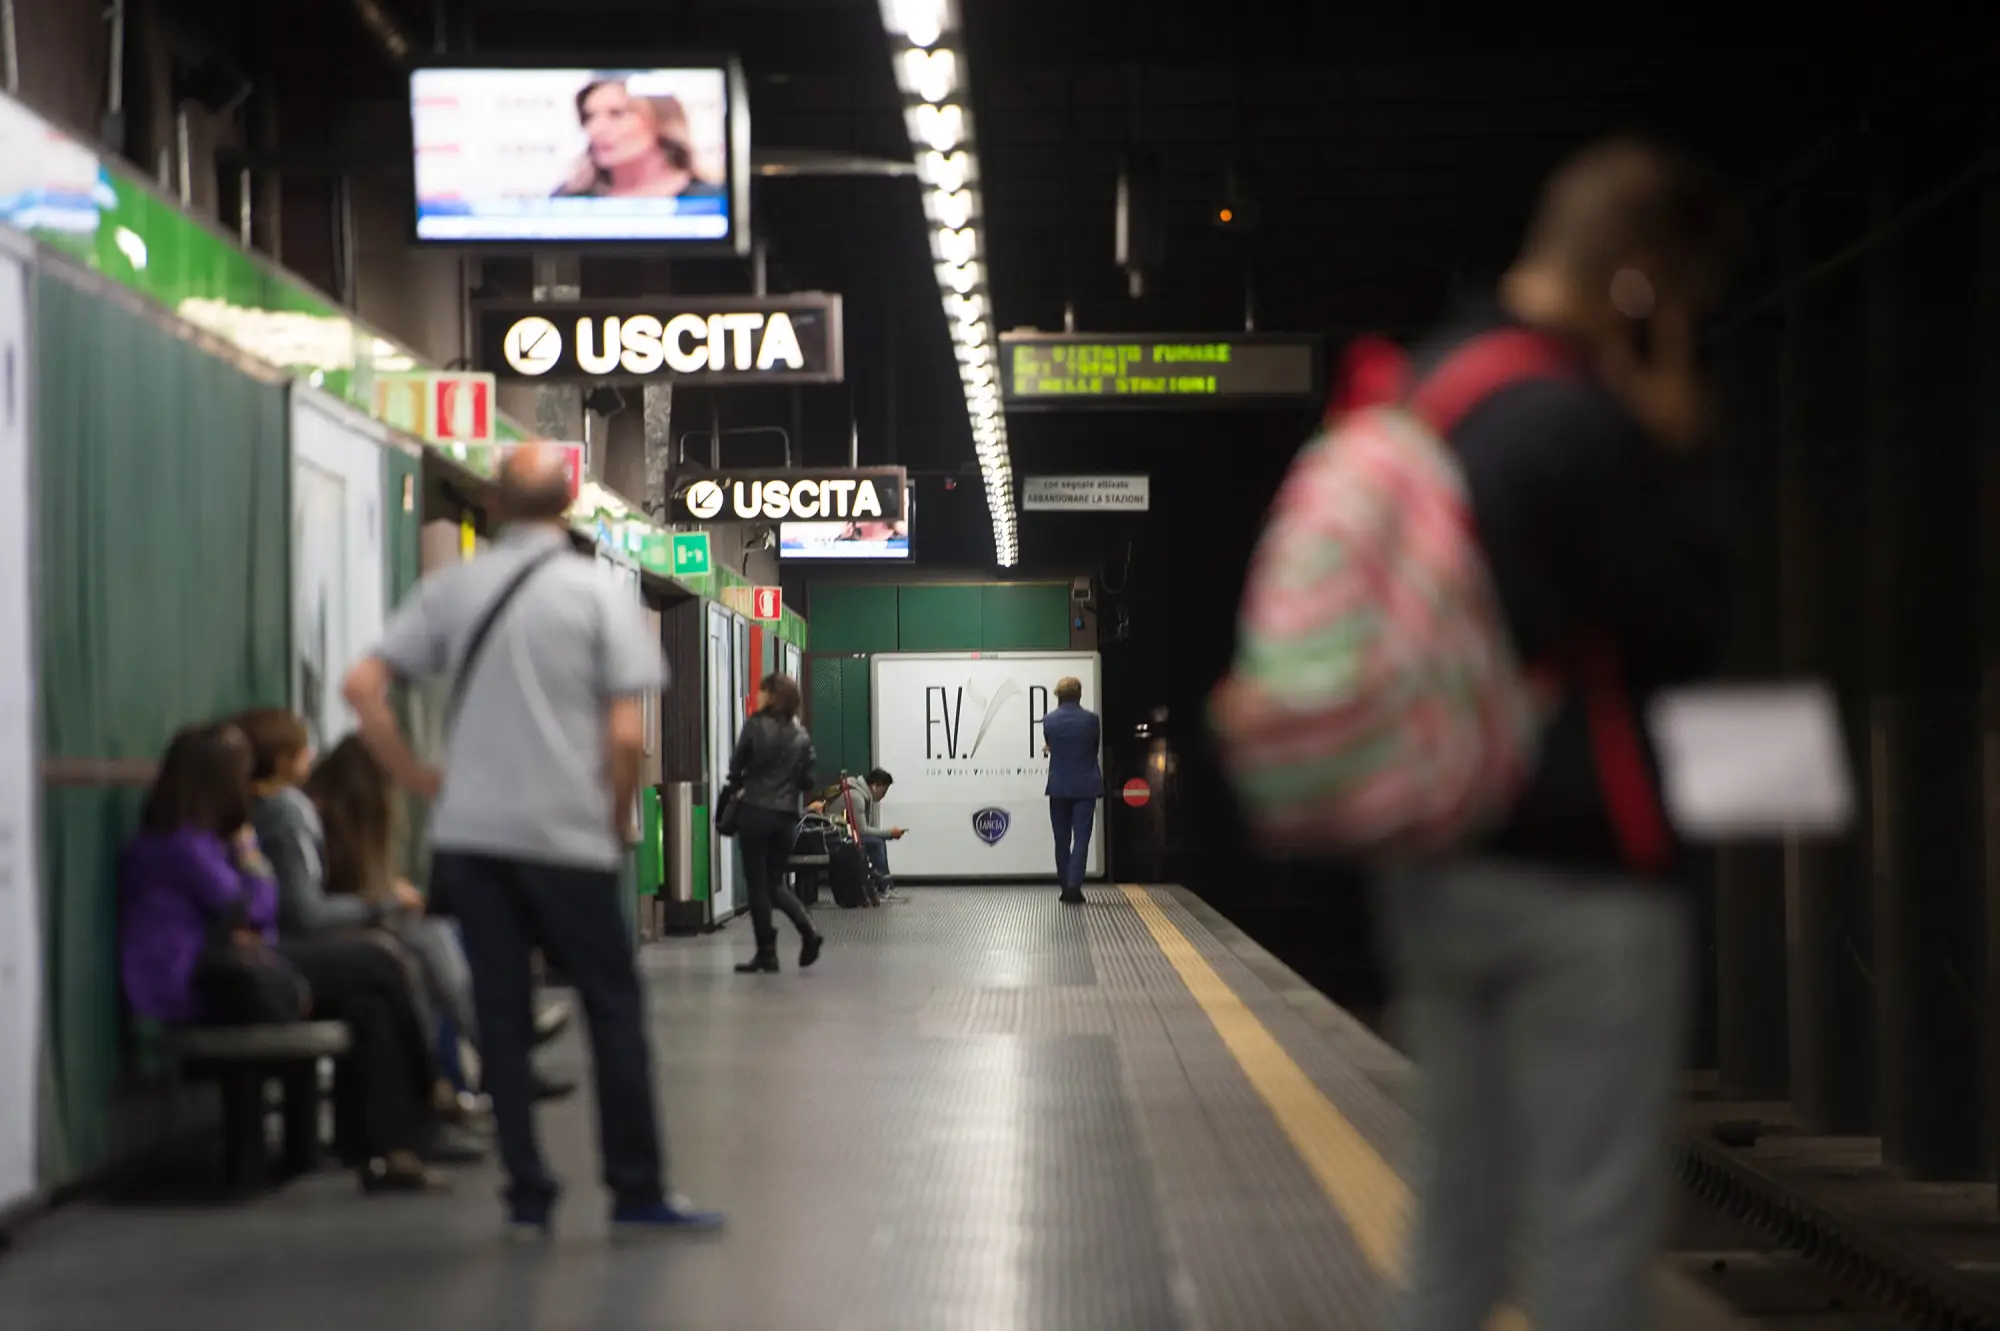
x,y
198,943
351,795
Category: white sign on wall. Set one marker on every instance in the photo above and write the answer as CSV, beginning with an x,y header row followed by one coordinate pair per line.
x,y
338,580
21,994
961,733
1086,494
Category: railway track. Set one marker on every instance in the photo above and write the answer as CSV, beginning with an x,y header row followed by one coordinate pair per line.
x,y
1781,1258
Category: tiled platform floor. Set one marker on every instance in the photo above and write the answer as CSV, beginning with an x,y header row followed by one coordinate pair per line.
x,y
982,1110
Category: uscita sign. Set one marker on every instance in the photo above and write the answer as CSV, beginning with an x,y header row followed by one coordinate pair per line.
x,y
685,344
874,495
794,338
788,499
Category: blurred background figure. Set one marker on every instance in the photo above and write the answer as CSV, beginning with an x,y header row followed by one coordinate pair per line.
x,y
1541,976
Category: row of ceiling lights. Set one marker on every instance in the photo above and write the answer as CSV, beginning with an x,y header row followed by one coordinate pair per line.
x,y
937,107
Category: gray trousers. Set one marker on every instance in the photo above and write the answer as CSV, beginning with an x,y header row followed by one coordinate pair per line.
x,y
1545,1012
447,977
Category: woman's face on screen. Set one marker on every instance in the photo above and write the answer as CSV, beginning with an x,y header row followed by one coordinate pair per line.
x,y
618,127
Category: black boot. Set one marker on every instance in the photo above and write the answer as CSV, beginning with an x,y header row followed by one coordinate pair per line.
x,y
809,947
765,962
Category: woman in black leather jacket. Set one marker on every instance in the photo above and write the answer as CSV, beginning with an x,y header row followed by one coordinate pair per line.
x,y
772,768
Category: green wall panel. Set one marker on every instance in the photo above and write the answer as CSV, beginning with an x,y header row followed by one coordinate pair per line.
x,y
1024,617
840,714
403,532
857,744
943,618
825,706
162,558
852,618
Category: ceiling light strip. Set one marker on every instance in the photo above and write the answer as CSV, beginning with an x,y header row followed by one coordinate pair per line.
x,y
926,48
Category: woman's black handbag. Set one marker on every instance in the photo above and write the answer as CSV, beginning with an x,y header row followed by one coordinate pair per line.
x,y
728,810
238,985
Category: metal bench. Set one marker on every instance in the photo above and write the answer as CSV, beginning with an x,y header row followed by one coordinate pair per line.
x,y
243,1061
807,870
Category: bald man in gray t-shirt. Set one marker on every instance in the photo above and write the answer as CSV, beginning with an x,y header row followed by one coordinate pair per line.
x,y
549,659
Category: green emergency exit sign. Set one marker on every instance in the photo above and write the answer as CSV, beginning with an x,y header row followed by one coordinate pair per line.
x,y
691,554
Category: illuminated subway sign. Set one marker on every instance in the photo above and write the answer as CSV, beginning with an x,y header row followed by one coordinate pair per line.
x,y
869,495
1062,370
794,338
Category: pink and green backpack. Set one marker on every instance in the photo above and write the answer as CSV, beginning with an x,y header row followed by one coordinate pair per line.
x,y
1375,707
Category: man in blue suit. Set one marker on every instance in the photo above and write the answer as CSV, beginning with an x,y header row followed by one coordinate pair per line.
x,y
1072,739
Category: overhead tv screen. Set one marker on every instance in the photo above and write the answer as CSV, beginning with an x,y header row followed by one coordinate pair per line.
x,y
848,540
581,156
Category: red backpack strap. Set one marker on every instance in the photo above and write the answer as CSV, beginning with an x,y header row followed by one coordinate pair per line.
x,y
1372,371
847,800
1482,367
1629,795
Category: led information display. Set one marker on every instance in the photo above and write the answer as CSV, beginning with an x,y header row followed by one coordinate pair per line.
x,y
1053,370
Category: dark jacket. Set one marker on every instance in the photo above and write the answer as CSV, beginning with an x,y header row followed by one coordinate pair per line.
x,y
773,763
1605,556
1075,738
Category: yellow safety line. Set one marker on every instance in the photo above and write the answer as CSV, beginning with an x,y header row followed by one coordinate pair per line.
x,y
1363,1187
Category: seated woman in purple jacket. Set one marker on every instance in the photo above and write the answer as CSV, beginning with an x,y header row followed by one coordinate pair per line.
x,y
198,942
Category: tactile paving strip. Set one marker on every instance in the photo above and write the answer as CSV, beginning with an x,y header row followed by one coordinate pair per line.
x,y
1335,1070
1258,1242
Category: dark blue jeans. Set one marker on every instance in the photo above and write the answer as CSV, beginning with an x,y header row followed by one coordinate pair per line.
x,y
506,909
1072,821
876,850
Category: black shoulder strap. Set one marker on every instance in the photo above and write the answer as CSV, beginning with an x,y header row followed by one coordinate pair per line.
x,y
484,629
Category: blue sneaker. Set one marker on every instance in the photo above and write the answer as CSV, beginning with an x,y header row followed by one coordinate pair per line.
x,y
669,1217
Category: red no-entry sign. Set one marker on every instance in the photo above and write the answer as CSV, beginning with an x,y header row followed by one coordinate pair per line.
x,y
1137,793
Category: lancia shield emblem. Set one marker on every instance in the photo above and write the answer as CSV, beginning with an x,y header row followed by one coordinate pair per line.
x,y
989,825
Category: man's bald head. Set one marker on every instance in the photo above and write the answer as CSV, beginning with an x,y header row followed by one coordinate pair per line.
x,y
534,484
1625,208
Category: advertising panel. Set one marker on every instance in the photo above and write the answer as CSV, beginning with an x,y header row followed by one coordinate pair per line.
x,y
845,541
21,993
962,734
543,156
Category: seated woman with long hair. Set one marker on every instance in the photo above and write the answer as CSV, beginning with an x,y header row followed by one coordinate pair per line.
x,y
198,943
354,801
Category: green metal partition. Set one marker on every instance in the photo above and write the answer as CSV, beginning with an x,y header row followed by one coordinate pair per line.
x,y
162,548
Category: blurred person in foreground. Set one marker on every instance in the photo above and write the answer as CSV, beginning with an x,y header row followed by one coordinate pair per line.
x,y
1072,741
1542,974
549,661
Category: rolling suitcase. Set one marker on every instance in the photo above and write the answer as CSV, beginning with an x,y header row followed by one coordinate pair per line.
x,y
846,873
